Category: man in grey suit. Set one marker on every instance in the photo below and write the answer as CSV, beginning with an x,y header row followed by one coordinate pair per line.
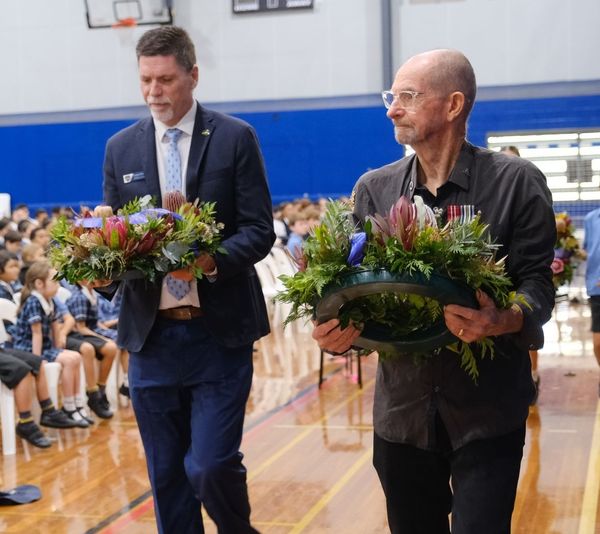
x,y
191,341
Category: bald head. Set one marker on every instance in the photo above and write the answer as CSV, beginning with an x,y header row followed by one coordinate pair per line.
x,y
447,71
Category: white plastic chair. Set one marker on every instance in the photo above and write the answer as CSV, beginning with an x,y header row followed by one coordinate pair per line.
x,y
8,310
53,370
270,286
284,263
7,410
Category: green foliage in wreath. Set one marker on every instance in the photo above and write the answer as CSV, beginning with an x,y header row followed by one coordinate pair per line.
x,y
411,239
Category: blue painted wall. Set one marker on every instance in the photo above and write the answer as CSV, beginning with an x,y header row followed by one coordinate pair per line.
x,y
314,152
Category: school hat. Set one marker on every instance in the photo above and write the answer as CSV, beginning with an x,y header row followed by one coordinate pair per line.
x,y
20,495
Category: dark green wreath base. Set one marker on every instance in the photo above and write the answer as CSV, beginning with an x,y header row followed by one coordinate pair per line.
x,y
377,337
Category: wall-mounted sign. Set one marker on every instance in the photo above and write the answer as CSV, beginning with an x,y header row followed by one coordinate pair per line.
x,y
260,6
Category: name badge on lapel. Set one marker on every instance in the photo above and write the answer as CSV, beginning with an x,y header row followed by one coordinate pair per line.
x,y
133,177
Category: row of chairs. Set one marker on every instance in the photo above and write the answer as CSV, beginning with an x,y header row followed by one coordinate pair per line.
x,y
278,262
269,269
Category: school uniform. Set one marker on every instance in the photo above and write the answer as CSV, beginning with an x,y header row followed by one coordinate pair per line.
x,y
82,305
36,309
7,291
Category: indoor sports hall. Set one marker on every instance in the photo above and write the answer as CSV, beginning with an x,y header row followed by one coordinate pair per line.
x,y
305,116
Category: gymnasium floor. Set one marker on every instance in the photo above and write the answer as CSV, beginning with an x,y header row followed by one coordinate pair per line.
x,y
308,452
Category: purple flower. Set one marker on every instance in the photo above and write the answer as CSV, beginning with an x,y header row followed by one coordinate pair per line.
x,y
357,249
89,222
562,253
141,217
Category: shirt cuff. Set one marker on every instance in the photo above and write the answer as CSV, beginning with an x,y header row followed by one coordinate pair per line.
x,y
212,276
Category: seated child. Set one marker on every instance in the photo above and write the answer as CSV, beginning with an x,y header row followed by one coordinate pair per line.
x,y
84,308
37,326
13,242
87,351
31,253
9,274
16,370
298,223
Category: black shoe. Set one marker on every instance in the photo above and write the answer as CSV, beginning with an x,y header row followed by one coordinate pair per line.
x,y
98,403
56,419
85,416
124,390
31,433
75,418
105,402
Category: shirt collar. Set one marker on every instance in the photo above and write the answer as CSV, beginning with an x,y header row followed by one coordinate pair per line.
x,y
8,287
47,306
89,295
461,173
186,124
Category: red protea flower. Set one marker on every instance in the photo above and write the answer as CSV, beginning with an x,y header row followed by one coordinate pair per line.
x,y
146,243
114,232
403,222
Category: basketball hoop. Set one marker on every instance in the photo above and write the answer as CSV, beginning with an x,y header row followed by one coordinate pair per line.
x,y
128,22
127,14
125,30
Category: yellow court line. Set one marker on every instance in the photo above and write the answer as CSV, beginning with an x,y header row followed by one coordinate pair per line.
x,y
587,524
273,458
323,501
273,524
280,452
55,515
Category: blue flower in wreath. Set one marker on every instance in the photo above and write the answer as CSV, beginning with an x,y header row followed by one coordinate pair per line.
x,y
357,248
562,253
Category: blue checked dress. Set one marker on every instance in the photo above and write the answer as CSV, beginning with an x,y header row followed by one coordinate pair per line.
x,y
83,310
32,313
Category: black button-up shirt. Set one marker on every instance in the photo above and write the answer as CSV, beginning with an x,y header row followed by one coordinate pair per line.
x,y
513,198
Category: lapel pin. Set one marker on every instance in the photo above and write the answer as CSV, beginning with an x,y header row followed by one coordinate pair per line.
x,y
205,132
127,178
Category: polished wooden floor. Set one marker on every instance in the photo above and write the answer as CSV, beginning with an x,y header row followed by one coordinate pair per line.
x,y
308,452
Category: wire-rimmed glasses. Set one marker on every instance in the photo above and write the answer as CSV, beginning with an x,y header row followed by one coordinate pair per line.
x,y
405,99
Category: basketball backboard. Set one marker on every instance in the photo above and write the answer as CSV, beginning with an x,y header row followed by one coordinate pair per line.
x,y
115,13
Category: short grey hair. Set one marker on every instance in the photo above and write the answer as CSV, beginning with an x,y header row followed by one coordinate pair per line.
x,y
168,41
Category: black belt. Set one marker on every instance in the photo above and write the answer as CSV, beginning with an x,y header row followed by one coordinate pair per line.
x,y
182,313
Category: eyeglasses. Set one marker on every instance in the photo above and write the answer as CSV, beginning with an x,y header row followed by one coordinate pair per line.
x,y
405,99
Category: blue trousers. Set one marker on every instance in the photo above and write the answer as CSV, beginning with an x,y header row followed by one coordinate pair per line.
x,y
189,396
484,477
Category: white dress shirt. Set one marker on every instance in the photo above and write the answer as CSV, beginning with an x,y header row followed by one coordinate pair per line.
x,y
186,125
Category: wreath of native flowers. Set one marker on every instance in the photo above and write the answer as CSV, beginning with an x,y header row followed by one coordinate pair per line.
x,y
410,239
567,253
140,241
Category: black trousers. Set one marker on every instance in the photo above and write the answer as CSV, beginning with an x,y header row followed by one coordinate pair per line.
x,y
484,476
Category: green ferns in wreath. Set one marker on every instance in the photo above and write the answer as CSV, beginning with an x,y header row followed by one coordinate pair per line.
x,y
411,240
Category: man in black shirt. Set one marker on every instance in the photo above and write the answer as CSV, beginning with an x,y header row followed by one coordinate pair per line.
x,y
432,422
